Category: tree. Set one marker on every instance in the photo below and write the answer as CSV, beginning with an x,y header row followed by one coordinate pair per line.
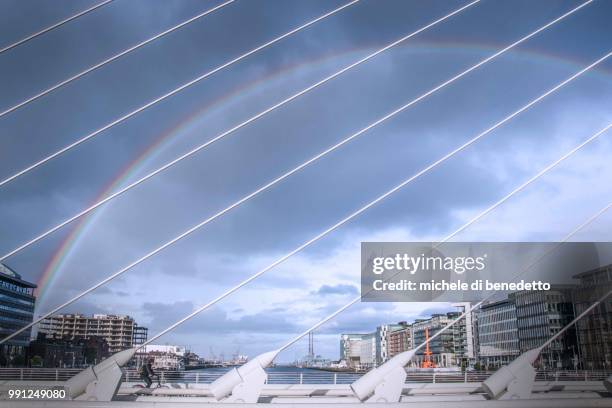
x,y
36,361
18,361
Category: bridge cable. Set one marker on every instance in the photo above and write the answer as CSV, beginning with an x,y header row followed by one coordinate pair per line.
x,y
345,220
355,214
283,102
226,133
469,223
580,227
54,26
111,59
171,93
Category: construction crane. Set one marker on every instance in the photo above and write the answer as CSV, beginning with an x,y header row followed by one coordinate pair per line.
x,y
427,362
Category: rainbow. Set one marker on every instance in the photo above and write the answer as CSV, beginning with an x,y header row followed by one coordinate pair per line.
x,y
70,243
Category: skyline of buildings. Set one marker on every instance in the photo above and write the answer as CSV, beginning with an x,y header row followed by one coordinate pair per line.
x,y
492,336
454,347
500,330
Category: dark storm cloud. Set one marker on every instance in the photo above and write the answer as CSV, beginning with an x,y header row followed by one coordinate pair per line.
x,y
215,320
90,307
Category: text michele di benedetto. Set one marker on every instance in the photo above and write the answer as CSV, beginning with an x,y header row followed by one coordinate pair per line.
x,y
411,265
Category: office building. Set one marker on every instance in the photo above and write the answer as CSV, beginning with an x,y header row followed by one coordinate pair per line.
x,y
358,350
441,347
16,311
497,329
594,331
120,332
540,315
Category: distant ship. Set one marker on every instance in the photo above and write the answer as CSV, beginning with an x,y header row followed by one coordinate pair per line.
x,y
237,360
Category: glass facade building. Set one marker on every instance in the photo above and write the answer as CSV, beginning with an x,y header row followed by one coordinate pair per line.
x,y
595,329
441,347
16,311
497,333
540,315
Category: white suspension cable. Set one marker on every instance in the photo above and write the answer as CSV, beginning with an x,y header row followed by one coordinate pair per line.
x,y
342,222
228,132
467,225
329,230
113,58
477,305
287,100
528,182
580,227
171,93
54,26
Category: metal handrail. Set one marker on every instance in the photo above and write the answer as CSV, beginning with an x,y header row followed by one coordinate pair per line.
x,y
296,377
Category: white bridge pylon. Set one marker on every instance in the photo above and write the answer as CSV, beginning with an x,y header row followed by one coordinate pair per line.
x,y
385,383
244,384
100,382
382,384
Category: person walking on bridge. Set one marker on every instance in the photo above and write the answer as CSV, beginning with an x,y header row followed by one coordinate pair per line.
x,y
146,372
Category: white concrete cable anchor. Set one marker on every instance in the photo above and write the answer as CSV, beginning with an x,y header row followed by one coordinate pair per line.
x,y
392,373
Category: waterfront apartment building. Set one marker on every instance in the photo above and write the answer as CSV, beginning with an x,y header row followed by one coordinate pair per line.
x,y
16,311
463,336
399,341
498,342
382,340
120,332
594,331
541,314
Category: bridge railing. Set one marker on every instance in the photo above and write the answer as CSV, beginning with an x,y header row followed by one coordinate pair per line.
x,y
37,374
295,377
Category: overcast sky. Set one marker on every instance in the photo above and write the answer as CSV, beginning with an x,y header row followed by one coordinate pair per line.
x,y
296,294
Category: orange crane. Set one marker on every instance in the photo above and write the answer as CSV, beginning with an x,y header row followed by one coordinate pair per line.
x,y
427,363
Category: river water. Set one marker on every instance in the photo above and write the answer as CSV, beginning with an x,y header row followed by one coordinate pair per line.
x,y
276,375
269,370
